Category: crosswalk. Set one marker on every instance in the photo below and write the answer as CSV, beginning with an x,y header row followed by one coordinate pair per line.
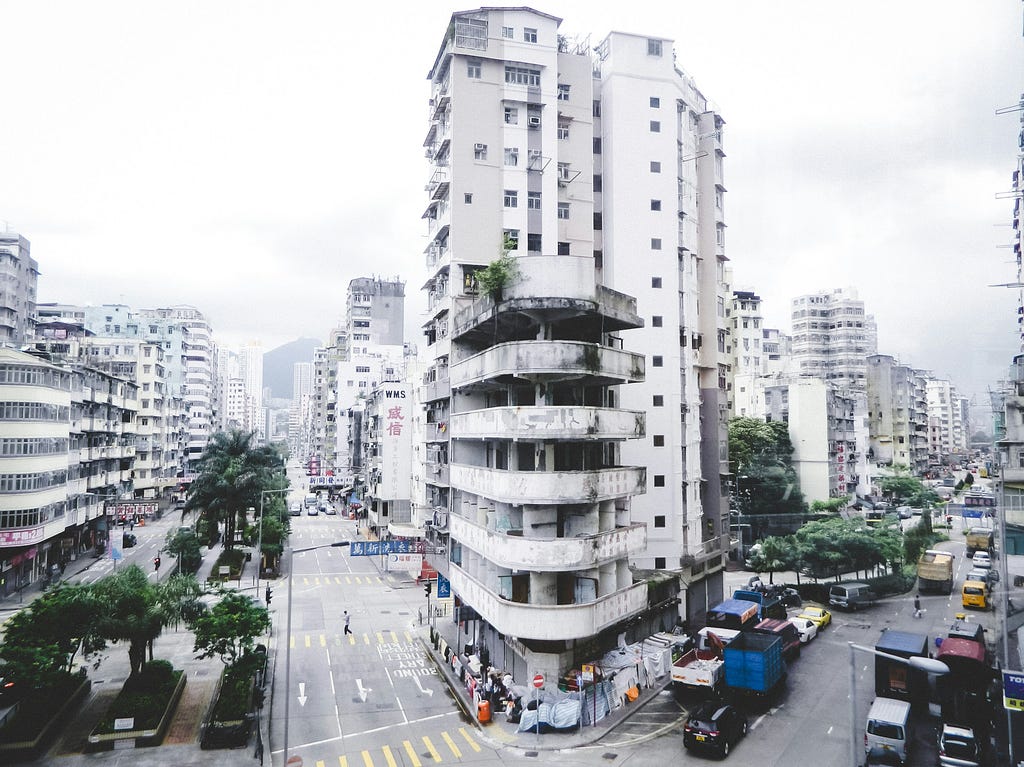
x,y
450,746
339,580
321,639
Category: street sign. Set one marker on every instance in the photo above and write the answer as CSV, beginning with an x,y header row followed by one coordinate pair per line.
x,y
444,587
1013,690
538,680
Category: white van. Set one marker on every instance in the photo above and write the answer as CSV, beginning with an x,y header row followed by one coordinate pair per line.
x,y
887,732
311,500
850,596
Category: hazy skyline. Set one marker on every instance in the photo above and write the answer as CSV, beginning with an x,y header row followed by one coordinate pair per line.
x,y
250,159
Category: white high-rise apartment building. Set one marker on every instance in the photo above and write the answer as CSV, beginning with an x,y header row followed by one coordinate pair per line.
x,y
659,212
833,337
948,429
19,274
586,169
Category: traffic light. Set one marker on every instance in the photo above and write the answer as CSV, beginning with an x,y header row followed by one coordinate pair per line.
x,y
269,594
427,587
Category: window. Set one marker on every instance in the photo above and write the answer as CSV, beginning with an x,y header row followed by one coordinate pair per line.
x,y
655,243
511,116
508,33
473,69
658,400
529,35
533,200
656,321
598,222
480,152
522,76
657,361
655,126
655,204
512,155
659,480
597,146
655,167
468,198
511,199
597,182
563,249
597,108
659,563
563,92
511,239
654,47
659,440
563,132
533,243
655,282
563,210
655,102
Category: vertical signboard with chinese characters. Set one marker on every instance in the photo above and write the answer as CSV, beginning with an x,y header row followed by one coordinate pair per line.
x,y
396,442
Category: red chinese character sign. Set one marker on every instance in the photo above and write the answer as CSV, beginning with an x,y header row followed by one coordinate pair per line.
x,y
396,442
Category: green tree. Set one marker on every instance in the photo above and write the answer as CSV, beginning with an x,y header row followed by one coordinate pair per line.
x,y
183,545
835,546
830,506
232,474
761,457
230,628
136,611
773,554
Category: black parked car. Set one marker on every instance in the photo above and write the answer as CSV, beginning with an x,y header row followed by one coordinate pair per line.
x,y
714,726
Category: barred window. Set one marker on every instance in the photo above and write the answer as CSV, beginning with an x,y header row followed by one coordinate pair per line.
x,y
522,76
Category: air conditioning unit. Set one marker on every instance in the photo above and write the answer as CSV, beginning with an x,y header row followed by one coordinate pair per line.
x,y
533,121
479,147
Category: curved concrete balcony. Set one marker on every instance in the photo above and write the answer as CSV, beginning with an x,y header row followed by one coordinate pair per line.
x,y
549,554
549,422
554,622
550,487
551,360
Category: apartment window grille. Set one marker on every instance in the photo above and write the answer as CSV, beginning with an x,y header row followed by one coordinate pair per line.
x,y
597,146
533,200
655,243
658,400
654,47
563,92
522,76
512,156
474,69
529,35
533,243
511,198
563,132
511,116
480,152
657,361
659,440
597,182
563,211
468,198
596,108
659,480
656,321
508,32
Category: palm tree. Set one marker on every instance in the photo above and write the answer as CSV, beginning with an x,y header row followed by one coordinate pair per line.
x,y
136,611
231,475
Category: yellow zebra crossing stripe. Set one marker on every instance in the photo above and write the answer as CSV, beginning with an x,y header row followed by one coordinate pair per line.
x,y
430,747
472,743
323,641
367,759
451,745
414,760
388,757
342,761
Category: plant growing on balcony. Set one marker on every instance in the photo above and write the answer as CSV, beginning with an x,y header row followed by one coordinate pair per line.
x,y
494,277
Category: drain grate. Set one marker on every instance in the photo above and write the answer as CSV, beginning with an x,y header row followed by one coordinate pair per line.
x,y
530,753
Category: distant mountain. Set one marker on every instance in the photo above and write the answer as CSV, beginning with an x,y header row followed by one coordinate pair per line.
x,y
278,365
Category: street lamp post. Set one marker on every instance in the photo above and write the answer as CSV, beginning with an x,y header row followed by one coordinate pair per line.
x,y
259,543
288,634
928,665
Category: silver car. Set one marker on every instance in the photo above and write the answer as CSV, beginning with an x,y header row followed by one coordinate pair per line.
x,y
958,747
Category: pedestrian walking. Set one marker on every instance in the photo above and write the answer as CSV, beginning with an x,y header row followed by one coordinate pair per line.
x,y
348,618
917,606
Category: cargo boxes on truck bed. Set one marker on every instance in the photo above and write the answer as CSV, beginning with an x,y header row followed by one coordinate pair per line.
x,y
753,664
736,614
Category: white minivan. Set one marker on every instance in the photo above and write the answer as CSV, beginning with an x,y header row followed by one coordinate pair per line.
x,y
887,732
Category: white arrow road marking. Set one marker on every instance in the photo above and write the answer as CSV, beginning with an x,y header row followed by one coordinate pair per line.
x,y
302,693
428,691
363,690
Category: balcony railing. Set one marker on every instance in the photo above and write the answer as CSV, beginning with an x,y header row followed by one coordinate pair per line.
x,y
507,549
543,487
551,622
543,422
552,359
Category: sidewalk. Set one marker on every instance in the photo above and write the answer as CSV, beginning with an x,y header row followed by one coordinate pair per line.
x,y
502,733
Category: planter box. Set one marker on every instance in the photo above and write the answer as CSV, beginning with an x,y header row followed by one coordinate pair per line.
x,y
108,741
215,734
24,751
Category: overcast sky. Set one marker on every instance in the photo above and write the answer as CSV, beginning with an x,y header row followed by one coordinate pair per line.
x,y
250,158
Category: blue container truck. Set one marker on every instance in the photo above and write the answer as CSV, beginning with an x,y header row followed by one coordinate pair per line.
x,y
754,665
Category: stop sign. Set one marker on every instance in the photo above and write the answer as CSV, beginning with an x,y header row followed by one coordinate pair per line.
x,y
538,681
